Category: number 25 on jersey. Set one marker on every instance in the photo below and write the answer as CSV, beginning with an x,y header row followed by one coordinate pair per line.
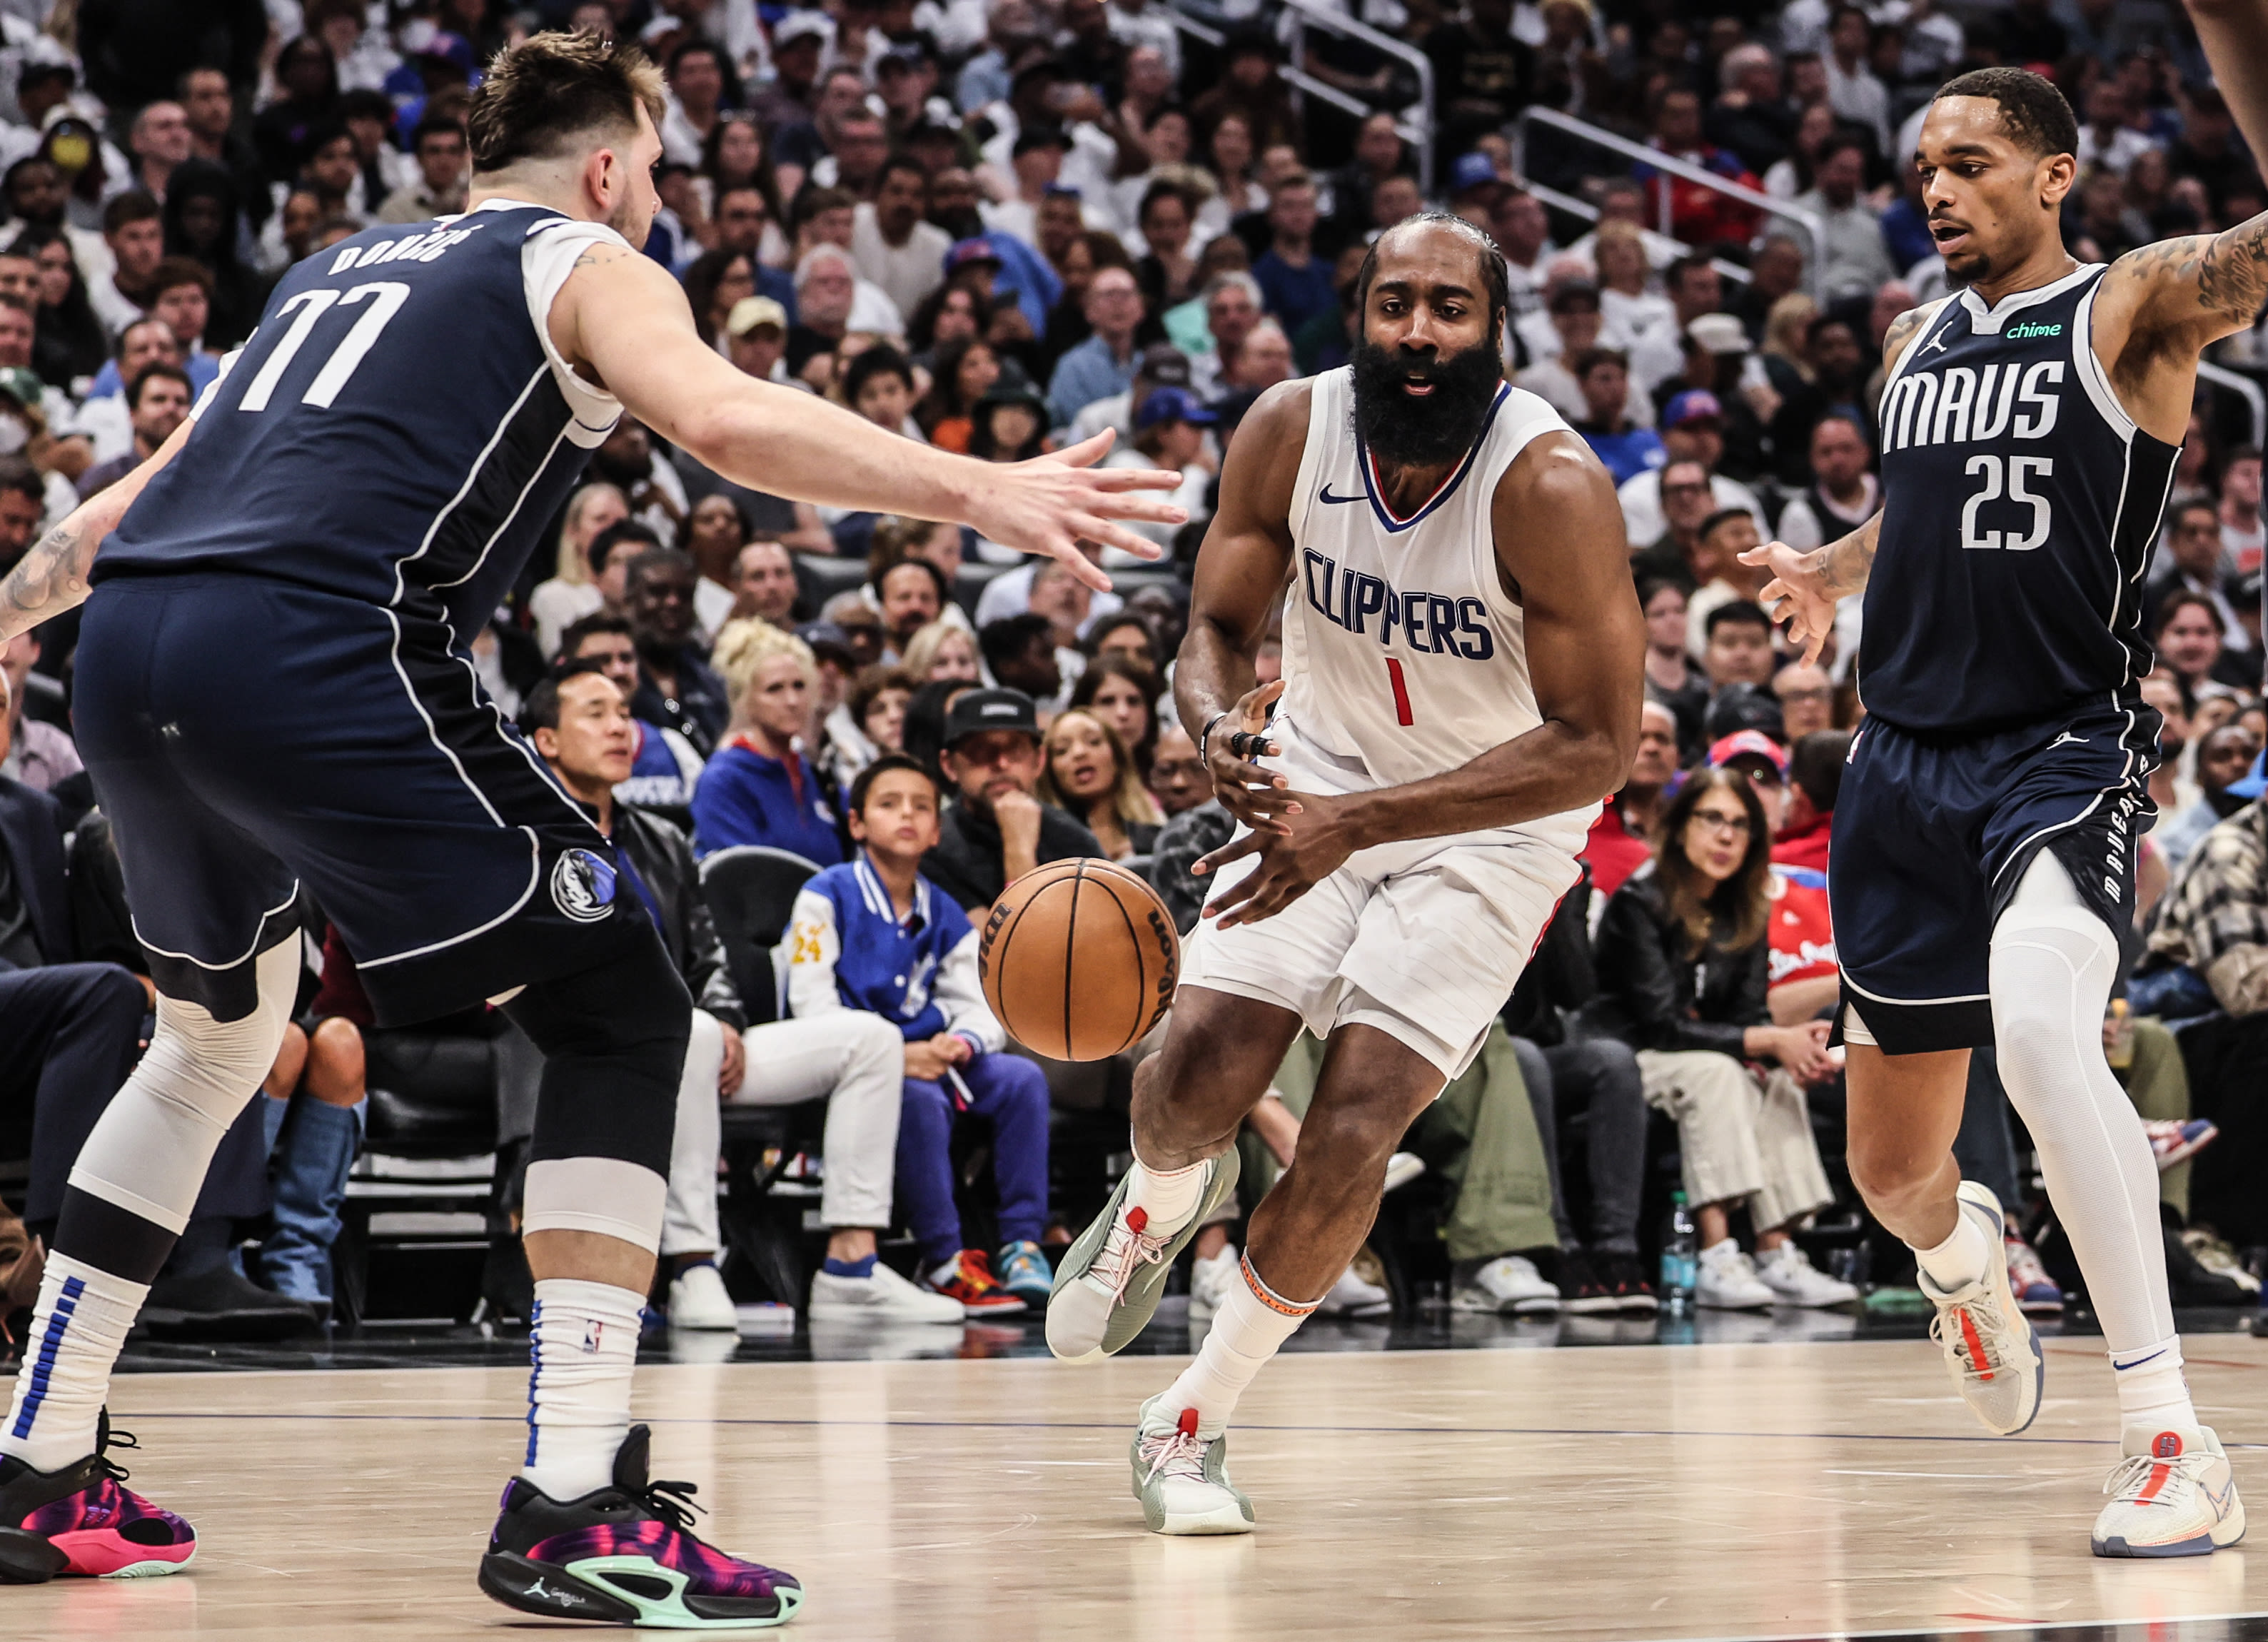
x,y
2007,479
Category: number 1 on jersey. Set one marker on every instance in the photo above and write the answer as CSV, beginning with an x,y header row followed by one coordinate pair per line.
x,y
1401,692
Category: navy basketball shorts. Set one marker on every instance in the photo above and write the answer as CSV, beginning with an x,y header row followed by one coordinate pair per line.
x,y
1933,835
248,737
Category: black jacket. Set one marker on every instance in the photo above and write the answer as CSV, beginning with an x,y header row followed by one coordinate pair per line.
x,y
966,863
31,831
660,855
1653,995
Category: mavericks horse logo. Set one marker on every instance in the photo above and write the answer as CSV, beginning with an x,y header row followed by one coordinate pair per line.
x,y
583,886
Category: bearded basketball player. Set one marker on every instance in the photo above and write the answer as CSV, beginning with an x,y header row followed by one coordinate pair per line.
x,y
1982,870
1462,680
275,686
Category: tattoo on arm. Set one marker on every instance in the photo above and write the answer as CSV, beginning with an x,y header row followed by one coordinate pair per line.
x,y
1901,330
1844,564
48,580
2228,270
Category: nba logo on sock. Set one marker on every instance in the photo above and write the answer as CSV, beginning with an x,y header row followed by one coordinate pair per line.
x,y
592,1332
583,886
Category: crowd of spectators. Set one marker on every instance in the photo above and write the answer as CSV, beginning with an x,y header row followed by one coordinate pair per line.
x,y
1002,228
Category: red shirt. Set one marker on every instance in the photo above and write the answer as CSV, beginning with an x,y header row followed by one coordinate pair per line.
x,y
1613,851
1807,848
1801,936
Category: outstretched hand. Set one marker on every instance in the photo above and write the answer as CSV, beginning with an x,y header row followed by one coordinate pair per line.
x,y
1052,503
1797,594
1249,791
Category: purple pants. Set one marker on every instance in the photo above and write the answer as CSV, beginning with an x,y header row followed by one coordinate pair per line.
x,y
1010,1093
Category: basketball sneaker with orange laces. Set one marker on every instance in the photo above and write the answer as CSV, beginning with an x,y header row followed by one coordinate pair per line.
x,y
2173,1495
1992,1351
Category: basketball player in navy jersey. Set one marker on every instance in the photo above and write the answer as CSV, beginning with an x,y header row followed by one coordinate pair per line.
x,y
275,687
1982,870
1461,686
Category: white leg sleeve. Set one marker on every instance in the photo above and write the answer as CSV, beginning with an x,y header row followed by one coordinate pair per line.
x,y
688,1214
2053,963
150,1149
858,1062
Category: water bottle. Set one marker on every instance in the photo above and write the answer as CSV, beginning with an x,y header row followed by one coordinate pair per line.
x,y
1680,1246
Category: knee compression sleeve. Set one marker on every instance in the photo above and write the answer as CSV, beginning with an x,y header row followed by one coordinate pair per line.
x,y
614,1041
2053,963
137,1179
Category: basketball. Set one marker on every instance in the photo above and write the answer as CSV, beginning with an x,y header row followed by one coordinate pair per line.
x,y
1079,960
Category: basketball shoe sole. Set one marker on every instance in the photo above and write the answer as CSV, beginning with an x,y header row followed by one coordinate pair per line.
x,y
1087,1323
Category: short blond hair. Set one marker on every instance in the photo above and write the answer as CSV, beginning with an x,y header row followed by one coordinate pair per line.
x,y
743,646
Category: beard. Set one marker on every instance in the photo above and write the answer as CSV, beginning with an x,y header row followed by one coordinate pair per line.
x,y
1429,430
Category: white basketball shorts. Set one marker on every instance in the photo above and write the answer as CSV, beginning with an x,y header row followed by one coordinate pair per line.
x,y
1423,940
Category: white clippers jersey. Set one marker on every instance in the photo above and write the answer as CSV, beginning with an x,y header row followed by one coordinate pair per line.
x,y
1403,656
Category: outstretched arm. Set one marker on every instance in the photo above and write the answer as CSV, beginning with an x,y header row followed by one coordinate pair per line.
x,y
622,316
1559,542
52,577
2234,35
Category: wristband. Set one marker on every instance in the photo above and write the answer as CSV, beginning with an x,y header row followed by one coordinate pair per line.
x,y
1204,737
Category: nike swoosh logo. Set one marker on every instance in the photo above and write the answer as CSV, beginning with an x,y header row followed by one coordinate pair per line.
x,y
2138,1362
1328,497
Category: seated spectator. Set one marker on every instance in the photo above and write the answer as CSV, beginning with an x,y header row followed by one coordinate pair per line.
x,y
1844,494
1090,775
1010,425
912,593
759,787
943,650
1103,364
1856,260
961,372
1230,307
1170,432
1720,577
867,722
2224,757
157,403
1683,964
1622,839
40,754
1807,700
1698,216
1685,502
1177,779
995,828
1601,376
764,585
915,966
437,145
1129,634
1672,679
859,626
663,766
937,545
716,529
676,688
1692,430
1161,364
570,592
1737,646
2193,544
1294,276
1123,692
2188,639
879,385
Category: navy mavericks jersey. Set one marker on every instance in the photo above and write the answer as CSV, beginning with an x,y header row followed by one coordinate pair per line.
x,y
397,431
2020,503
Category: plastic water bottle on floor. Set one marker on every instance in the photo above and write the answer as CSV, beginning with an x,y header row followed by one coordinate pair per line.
x,y
1681,1246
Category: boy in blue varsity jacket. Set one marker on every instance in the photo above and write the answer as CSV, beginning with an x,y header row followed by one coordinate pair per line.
x,y
874,935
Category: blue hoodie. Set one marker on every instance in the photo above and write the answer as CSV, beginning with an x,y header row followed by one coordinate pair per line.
x,y
747,798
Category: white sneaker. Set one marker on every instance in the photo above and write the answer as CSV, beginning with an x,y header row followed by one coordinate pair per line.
x,y
1508,1284
1787,1271
1401,1168
1726,1280
1352,1297
882,1297
2173,1495
1990,1350
697,1299
1209,1282
1182,1480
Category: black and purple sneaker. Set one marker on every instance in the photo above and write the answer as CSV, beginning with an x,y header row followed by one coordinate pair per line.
x,y
82,1521
625,1553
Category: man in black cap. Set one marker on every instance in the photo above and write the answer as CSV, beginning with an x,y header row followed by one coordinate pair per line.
x,y
996,830
1161,364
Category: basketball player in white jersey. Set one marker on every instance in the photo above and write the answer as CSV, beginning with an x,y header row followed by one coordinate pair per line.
x,y
1462,680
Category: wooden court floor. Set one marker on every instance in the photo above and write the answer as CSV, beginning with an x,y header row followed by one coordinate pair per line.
x,y
1717,1492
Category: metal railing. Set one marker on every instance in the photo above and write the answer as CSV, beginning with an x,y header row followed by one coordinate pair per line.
x,y
2245,387
1599,137
1659,247
1418,131
1415,123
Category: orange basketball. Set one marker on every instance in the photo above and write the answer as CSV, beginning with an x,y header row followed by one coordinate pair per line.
x,y
1079,960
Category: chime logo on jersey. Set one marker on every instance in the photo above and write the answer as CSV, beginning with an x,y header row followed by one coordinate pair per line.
x,y
583,886
1431,623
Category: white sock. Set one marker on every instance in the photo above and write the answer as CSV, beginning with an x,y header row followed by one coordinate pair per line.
x,y
1168,1198
2153,1392
77,1330
1961,1259
1250,1327
582,1349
